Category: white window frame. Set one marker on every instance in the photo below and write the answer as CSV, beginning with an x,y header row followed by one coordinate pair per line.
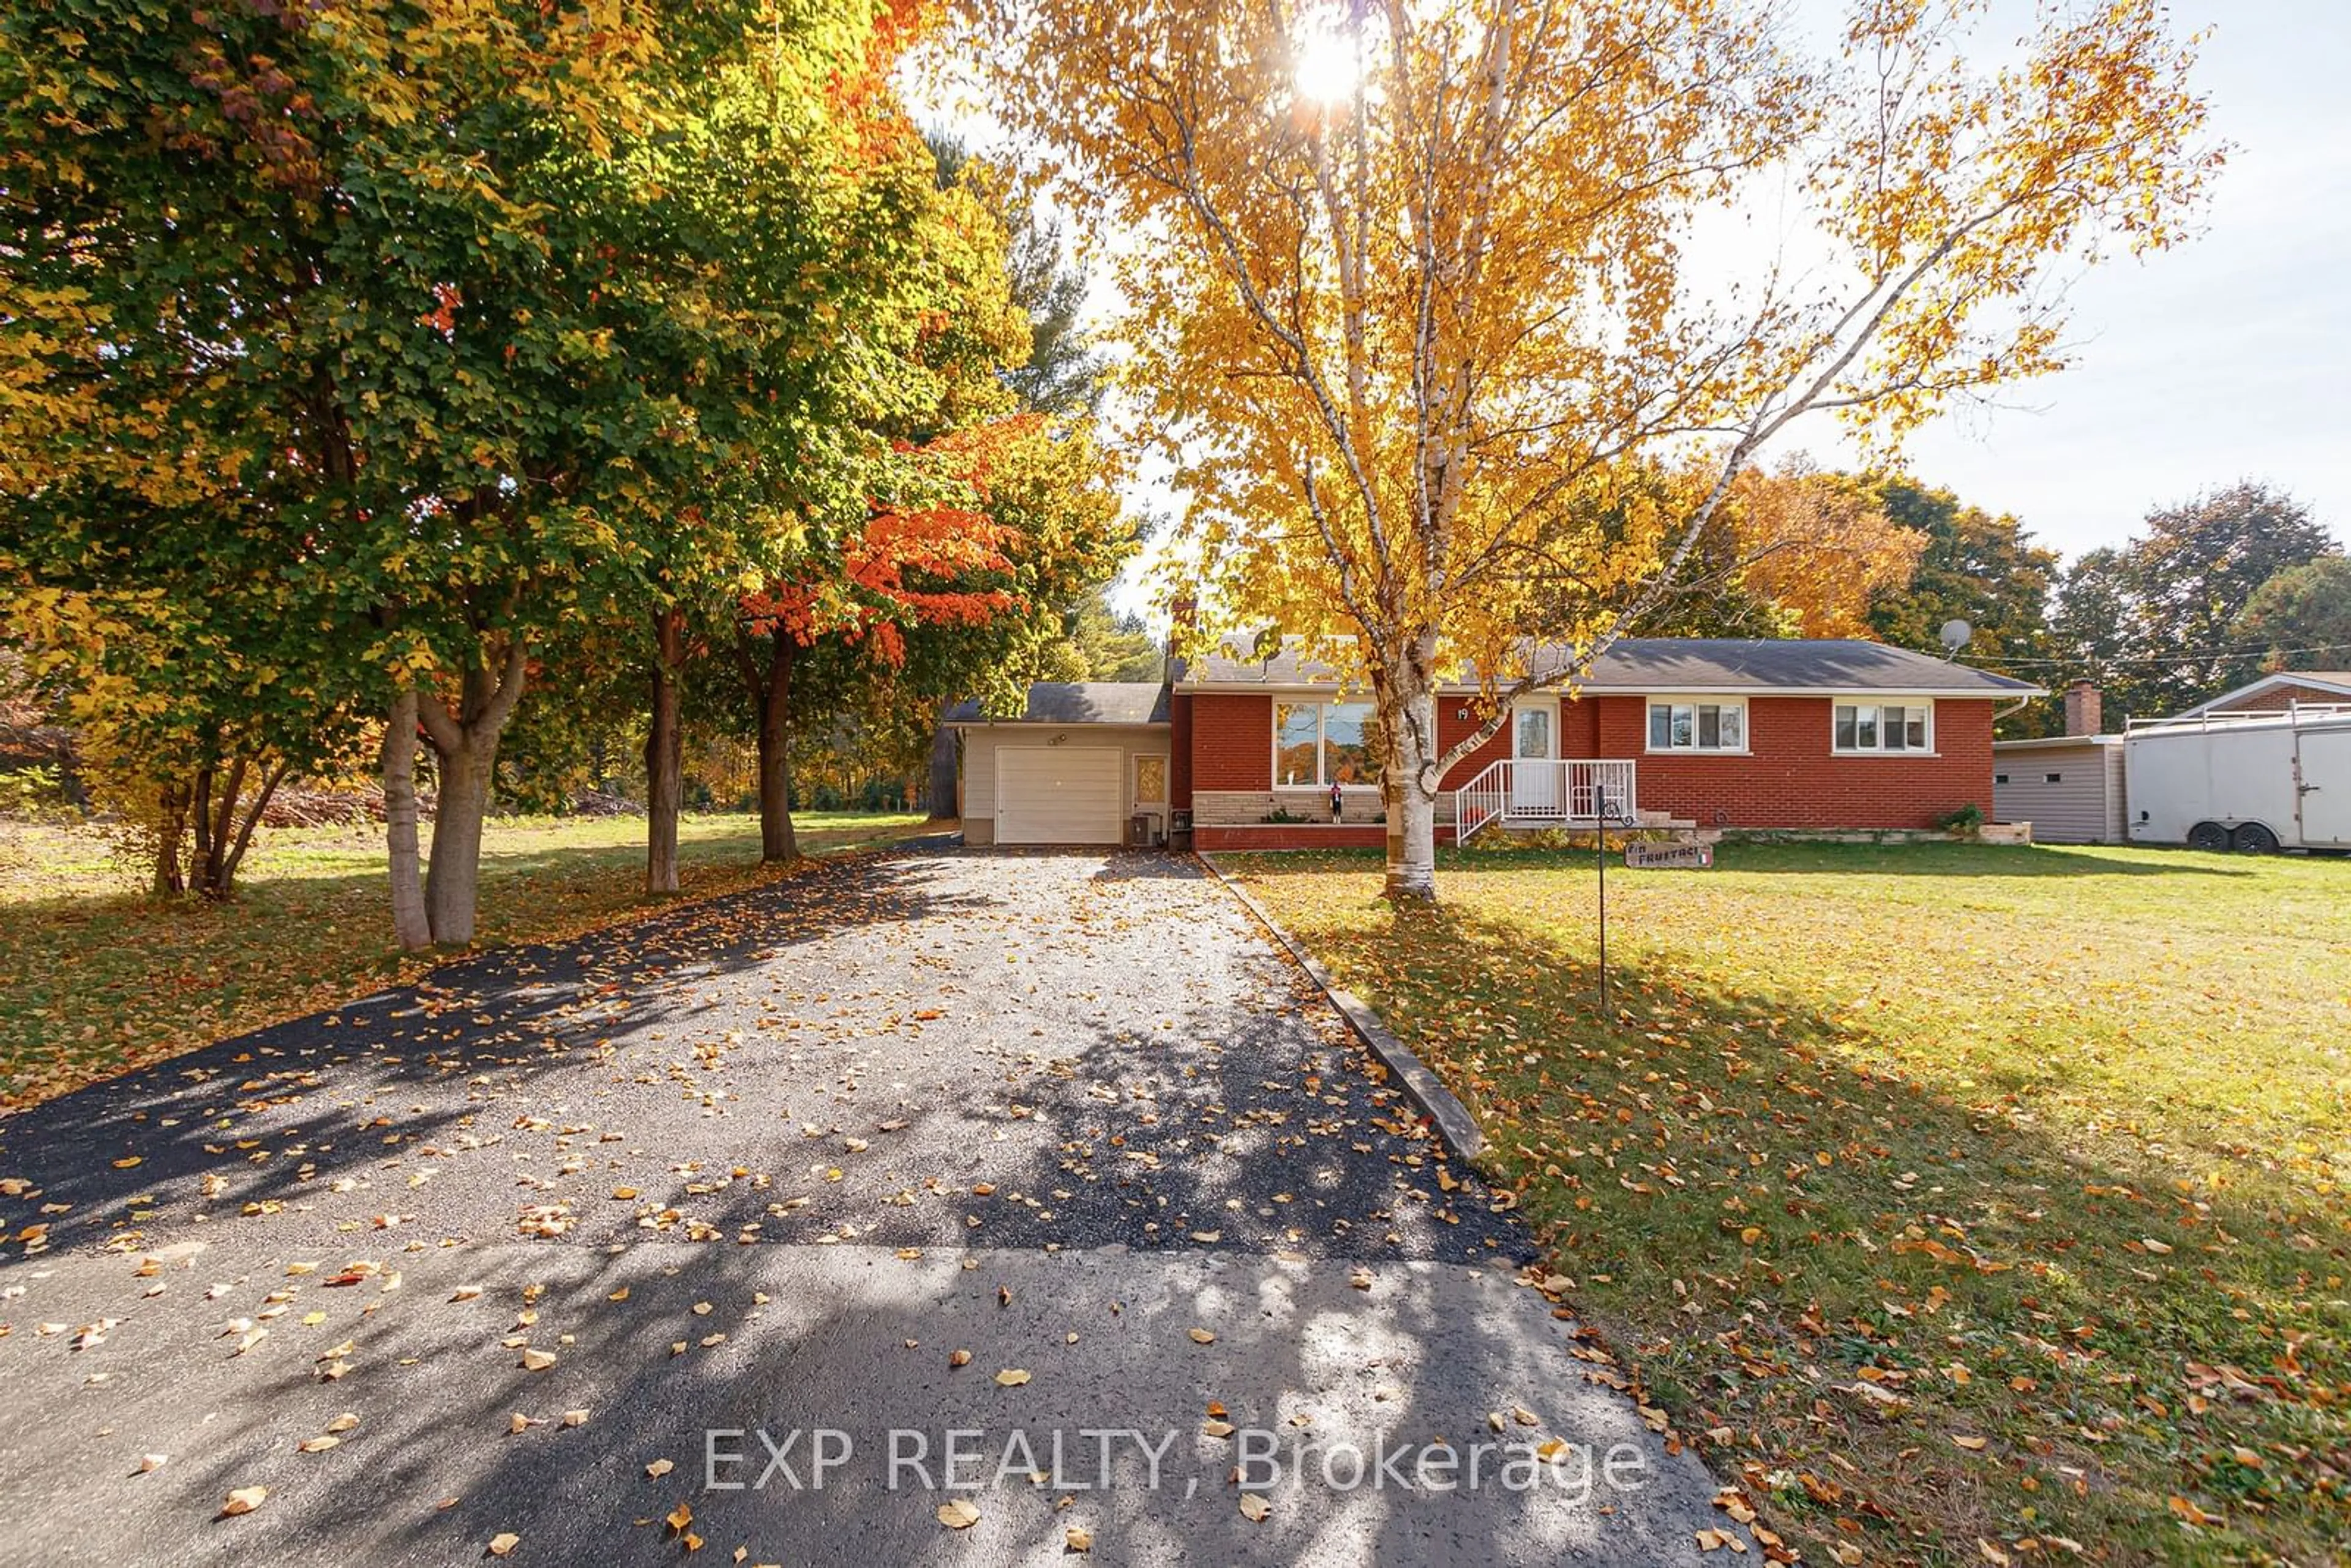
x,y
1907,705
1648,726
1322,706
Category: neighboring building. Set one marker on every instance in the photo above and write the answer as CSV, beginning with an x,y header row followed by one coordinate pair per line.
x,y
2278,693
1710,732
2070,787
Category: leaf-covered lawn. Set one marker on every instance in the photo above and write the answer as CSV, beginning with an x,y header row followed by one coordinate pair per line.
x,y
1967,1204
95,979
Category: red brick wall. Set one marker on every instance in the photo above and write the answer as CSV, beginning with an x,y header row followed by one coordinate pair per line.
x,y
1179,751
1232,745
2280,699
1790,778
1787,779
1232,741
1579,733
1301,836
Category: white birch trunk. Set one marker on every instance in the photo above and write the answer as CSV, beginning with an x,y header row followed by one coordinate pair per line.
x,y
1412,798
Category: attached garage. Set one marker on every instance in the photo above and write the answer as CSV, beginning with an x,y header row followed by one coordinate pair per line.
x,y
1068,794
1077,767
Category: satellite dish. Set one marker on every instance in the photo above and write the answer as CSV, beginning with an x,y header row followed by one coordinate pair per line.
x,y
1955,635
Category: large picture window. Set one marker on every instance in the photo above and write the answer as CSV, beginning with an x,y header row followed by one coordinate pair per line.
x,y
1697,727
1320,742
1884,726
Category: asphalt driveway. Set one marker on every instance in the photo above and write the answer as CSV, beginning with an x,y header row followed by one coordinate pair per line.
x,y
580,1235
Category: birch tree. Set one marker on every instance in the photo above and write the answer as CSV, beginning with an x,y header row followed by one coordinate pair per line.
x,y
1412,286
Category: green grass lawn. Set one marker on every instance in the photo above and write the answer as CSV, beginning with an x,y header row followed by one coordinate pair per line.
x,y
95,979
1966,1204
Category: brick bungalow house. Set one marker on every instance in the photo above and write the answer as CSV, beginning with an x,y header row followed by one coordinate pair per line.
x,y
2281,692
1244,751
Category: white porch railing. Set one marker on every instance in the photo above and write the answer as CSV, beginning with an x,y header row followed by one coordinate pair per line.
x,y
1543,792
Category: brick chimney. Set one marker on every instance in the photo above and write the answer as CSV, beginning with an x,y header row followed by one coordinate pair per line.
x,y
2083,714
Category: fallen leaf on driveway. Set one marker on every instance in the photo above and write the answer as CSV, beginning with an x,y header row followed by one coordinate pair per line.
x,y
659,1469
1203,1336
1078,1539
502,1544
1254,1507
538,1360
244,1499
1011,1377
958,1514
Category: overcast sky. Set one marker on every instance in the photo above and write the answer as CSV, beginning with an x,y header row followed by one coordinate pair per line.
x,y
2223,359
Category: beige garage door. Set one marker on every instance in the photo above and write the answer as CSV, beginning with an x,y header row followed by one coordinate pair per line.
x,y
1059,795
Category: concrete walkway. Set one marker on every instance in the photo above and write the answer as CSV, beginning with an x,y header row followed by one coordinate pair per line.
x,y
580,1235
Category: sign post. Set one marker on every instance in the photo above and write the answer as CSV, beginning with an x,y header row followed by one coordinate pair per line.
x,y
1600,843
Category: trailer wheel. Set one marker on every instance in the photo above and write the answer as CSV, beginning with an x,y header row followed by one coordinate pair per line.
x,y
2252,839
2208,836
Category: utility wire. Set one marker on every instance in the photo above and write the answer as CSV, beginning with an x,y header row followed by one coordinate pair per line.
x,y
2174,660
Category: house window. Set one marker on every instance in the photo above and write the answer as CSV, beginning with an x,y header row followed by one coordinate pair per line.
x,y
1317,743
1697,727
2000,777
2053,779
1884,726
1150,780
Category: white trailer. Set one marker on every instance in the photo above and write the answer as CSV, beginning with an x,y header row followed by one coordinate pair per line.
x,y
2250,781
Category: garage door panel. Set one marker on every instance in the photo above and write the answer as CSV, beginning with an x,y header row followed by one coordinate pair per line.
x,y
1060,794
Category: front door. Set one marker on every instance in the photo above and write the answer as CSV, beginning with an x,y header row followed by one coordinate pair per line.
x,y
1534,746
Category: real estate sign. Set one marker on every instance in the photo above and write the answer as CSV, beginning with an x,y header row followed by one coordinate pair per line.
x,y
1646,856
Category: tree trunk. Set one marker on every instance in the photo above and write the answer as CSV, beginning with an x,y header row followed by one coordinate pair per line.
x,y
409,926
453,873
1408,718
200,826
214,832
230,853
664,755
942,770
777,840
770,689
172,803
465,748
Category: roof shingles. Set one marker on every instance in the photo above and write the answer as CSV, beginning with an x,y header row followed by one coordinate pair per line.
x,y
1643,664
1078,702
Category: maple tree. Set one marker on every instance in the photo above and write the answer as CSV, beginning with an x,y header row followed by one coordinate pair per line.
x,y
934,596
1410,287
1796,553
454,325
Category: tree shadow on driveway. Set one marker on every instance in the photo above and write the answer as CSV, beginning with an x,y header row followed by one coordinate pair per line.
x,y
916,1104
